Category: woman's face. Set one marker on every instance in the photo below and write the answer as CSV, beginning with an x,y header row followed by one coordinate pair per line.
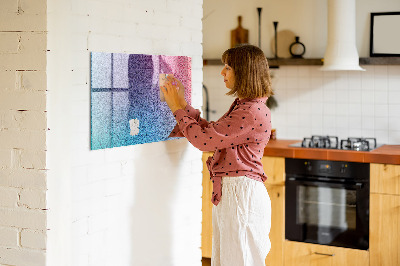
x,y
229,76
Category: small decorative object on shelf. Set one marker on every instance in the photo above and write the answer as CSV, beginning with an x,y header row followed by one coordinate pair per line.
x,y
259,26
273,134
276,38
297,49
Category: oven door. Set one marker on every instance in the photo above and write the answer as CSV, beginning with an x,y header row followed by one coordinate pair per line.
x,y
327,213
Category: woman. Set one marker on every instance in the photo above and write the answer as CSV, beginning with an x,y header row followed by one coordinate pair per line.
x,y
242,208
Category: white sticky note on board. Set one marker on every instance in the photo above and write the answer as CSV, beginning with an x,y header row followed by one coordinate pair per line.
x,y
134,125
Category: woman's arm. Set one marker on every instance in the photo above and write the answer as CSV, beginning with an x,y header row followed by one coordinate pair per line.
x,y
193,113
239,127
175,98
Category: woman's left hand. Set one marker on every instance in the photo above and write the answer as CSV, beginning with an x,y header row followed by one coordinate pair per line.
x,y
171,94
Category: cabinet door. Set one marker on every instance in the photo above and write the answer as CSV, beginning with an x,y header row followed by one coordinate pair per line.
x,y
304,254
206,226
385,178
274,168
277,233
384,230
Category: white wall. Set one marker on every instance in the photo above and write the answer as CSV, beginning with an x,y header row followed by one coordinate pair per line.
x,y
305,18
23,133
311,102
136,205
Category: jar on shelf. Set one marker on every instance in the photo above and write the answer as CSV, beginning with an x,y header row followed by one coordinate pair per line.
x,y
297,49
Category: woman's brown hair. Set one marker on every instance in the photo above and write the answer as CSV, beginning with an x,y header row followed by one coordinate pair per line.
x,y
250,66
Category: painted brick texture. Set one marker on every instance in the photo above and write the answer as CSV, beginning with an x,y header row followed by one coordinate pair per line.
x,y
23,132
136,205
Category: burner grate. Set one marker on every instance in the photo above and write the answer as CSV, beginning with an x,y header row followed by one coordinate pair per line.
x,y
327,142
358,144
332,142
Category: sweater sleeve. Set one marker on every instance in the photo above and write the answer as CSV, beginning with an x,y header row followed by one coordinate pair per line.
x,y
231,130
193,113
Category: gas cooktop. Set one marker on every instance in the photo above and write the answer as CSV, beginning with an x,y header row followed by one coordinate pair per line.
x,y
332,142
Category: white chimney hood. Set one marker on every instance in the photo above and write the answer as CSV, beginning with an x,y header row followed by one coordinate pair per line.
x,y
341,51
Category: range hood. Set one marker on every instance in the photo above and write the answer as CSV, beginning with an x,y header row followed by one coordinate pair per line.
x,y
341,51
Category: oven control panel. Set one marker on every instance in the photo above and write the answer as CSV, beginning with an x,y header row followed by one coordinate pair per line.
x,y
325,167
337,169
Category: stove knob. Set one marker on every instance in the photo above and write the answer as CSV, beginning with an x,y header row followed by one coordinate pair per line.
x,y
308,166
343,168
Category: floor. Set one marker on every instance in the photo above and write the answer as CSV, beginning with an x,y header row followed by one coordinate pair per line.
x,y
206,261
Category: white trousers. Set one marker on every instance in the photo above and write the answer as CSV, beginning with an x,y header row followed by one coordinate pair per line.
x,y
241,223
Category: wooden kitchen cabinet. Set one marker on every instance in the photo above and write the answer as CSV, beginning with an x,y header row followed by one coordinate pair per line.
x,y
305,254
206,225
274,168
384,236
385,178
385,215
277,233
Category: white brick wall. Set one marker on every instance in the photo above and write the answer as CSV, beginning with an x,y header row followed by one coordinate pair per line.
x,y
9,237
23,128
8,197
136,205
24,256
33,239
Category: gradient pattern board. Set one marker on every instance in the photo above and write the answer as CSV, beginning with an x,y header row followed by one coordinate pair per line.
x,y
125,98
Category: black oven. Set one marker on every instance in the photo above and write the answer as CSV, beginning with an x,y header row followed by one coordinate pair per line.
x,y
327,202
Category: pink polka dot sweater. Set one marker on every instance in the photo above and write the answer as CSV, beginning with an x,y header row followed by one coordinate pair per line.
x,y
238,139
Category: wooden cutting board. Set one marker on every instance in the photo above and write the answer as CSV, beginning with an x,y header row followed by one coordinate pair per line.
x,y
239,35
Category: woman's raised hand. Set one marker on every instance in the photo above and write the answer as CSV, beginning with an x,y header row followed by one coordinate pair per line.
x,y
174,94
181,92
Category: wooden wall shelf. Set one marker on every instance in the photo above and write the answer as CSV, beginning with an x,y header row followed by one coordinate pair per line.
x,y
274,63
380,61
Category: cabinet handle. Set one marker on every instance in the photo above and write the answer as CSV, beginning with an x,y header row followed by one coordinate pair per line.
x,y
324,254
